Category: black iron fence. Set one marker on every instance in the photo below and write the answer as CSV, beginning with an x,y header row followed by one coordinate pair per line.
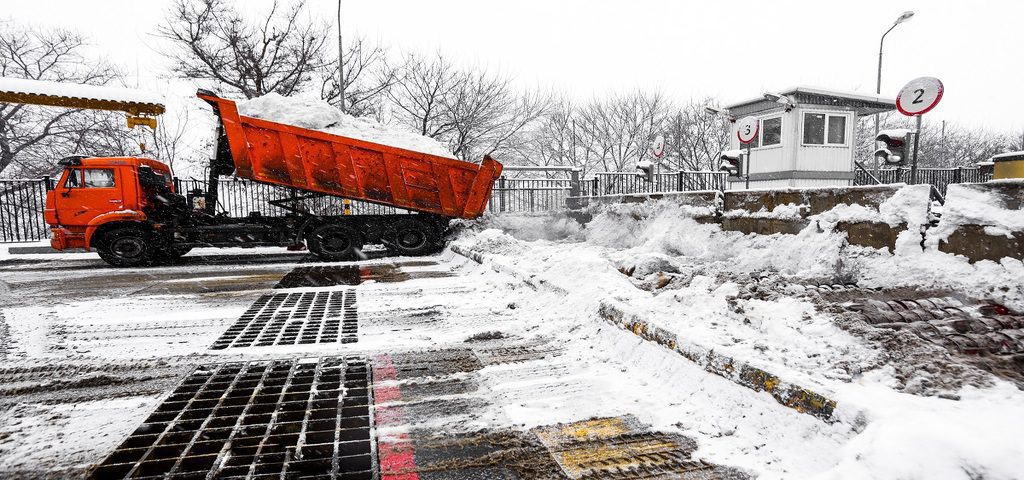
x,y
625,183
21,210
239,197
940,178
529,194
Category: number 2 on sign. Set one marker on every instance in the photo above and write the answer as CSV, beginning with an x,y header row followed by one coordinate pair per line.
x,y
917,99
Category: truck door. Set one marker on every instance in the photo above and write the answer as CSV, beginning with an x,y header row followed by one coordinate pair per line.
x,y
88,192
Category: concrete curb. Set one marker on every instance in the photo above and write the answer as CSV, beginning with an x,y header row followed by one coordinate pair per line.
x,y
801,399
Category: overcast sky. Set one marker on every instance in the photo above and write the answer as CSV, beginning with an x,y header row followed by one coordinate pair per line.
x,y
729,49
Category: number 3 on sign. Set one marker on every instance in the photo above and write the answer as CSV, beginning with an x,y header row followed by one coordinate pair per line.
x,y
919,96
746,129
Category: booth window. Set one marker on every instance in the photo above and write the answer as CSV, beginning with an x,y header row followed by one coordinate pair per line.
x,y
824,129
771,131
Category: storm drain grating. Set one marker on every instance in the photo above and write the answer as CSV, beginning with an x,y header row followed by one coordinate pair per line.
x,y
283,419
295,319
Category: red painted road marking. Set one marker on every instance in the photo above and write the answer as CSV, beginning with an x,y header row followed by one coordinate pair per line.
x,y
397,455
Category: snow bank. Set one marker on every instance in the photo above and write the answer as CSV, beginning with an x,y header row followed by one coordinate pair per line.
x,y
909,205
317,114
534,227
970,204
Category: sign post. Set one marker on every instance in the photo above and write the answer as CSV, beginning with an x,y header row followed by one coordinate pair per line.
x,y
747,129
918,97
657,151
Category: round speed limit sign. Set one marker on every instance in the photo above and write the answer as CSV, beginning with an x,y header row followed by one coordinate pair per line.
x,y
746,129
919,96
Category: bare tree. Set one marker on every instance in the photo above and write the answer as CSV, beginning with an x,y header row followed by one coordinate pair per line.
x,y
487,115
368,76
213,41
418,96
552,142
618,130
32,138
693,138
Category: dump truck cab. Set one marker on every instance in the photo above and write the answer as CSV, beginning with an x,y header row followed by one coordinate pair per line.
x,y
95,195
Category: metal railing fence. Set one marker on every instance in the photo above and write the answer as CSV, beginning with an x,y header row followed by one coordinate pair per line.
x,y
940,178
21,210
626,183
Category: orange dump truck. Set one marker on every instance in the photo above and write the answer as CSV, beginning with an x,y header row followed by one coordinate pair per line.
x,y
127,210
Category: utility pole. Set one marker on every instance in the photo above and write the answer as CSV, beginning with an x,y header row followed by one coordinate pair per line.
x,y
341,65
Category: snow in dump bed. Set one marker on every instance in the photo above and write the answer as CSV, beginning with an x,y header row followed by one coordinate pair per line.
x,y
317,114
74,90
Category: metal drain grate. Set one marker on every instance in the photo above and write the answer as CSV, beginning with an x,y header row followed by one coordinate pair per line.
x,y
295,319
282,419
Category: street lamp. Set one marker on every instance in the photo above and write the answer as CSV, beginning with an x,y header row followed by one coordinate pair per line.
x,y
878,86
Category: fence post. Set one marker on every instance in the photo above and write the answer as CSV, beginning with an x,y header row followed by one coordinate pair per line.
x,y
574,183
679,182
957,175
501,196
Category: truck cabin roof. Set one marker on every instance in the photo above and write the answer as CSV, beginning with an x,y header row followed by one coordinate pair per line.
x,y
83,161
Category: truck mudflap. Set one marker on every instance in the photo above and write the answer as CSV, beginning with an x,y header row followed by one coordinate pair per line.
x,y
319,162
63,239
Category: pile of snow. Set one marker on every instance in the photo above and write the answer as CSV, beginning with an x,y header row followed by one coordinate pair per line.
x,y
909,205
970,204
317,114
530,227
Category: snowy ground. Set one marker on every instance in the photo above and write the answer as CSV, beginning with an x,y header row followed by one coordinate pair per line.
x,y
905,408
93,350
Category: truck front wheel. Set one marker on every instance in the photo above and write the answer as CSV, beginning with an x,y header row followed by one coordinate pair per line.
x,y
412,238
126,247
335,243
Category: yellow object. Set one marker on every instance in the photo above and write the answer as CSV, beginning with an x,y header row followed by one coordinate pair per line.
x,y
138,113
347,207
141,122
1008,165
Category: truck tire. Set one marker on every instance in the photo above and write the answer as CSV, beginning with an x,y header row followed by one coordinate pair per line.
x,y
169,253
335,243
411,237
126,247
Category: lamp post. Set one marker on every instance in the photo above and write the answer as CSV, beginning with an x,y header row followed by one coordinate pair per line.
x,y
341,65
878,86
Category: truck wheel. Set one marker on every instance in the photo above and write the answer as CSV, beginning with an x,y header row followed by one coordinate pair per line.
x,y
126,247
412,238
168,253
335,243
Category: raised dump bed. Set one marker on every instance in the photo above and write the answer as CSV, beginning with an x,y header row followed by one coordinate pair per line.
x,y
321,162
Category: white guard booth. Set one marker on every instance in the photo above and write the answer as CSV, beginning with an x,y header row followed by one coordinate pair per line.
x,y
807,136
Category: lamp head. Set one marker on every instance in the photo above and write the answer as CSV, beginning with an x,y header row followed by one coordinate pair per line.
x,y
904,17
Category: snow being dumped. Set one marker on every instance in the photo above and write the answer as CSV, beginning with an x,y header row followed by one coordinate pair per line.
x,y
317,114
745,297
